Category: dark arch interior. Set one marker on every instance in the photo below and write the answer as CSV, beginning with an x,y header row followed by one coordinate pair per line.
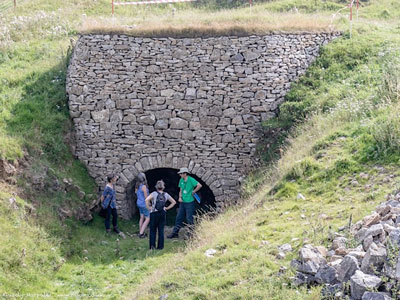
x,y
171,179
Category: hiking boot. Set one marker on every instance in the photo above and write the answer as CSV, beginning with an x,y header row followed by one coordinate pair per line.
x,y
173,236
116,230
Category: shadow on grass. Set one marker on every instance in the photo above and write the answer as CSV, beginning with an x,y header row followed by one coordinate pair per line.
x,y
91,243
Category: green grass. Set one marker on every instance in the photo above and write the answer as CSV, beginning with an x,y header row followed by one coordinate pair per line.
x,y
340,122
87,262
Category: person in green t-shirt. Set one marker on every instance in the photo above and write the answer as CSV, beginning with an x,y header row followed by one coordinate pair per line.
x,y
188,186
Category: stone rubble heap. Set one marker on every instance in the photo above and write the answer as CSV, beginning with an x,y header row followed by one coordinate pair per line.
x,y
371,268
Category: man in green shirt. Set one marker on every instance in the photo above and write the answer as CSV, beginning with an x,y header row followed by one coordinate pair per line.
x,y
188,186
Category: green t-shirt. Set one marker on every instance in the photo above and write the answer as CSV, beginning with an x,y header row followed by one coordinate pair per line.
x,y
187,188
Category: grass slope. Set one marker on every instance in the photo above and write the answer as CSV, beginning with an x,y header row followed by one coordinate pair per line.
x,y
342,156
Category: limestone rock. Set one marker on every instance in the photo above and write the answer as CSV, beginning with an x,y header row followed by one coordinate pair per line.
x,y
374,258
326,274
347,268
361,282
376,296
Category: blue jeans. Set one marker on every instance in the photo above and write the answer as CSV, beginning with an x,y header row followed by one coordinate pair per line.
x,y
157,223
113,212
186,210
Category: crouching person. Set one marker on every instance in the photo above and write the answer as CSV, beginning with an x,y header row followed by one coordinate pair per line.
x,y
155,203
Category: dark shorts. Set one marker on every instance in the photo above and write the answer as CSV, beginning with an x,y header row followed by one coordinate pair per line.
x,y
144,211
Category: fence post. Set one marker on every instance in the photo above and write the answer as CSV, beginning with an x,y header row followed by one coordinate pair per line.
x,y
15,4
351,17
112,7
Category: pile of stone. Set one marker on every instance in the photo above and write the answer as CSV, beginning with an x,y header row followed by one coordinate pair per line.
x,y
85,211
7,171
365,265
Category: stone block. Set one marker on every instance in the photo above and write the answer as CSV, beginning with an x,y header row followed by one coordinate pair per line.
x,y
178,123
361,282
148,120
347,268
190,93
374,258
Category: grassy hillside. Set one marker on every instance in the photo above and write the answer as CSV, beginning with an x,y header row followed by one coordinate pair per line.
x,y
341,154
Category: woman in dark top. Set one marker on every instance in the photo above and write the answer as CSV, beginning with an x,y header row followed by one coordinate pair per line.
x,y
109,204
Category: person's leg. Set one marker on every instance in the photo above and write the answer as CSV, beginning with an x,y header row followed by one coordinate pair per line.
x,y
161,224
107,220
141,220
152,239
180,217
190,207
115,220
144,225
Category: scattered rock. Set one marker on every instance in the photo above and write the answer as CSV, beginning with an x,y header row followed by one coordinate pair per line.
x,y
300,197
326,274
341,251
374,259
13,203
322,250
371,220
210,252
339,242
347,268
309,253
285,248
376,296
280,255
309,267
378,235
361,282
301,279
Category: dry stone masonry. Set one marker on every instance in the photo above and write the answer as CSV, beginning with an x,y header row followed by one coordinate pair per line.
x,y
144,103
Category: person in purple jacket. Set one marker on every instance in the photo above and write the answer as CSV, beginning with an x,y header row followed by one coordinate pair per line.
x,y
109,204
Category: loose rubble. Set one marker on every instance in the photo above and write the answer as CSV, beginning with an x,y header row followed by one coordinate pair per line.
x,y
371,269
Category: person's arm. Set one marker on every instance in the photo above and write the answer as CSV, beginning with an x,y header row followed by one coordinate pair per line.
x,y
198,187
180,196
103,195
172,204
147,200
144,189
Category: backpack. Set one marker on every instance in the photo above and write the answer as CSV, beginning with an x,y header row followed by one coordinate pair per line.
x,y
160,202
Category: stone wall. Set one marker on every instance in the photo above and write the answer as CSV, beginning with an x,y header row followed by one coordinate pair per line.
x,y
144,103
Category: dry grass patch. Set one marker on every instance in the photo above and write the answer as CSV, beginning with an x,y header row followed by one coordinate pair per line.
x,y
204,24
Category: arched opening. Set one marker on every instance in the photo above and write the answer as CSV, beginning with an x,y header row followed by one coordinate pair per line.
x,y
171,179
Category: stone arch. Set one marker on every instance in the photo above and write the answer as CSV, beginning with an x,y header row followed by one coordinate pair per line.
x,y
147,163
